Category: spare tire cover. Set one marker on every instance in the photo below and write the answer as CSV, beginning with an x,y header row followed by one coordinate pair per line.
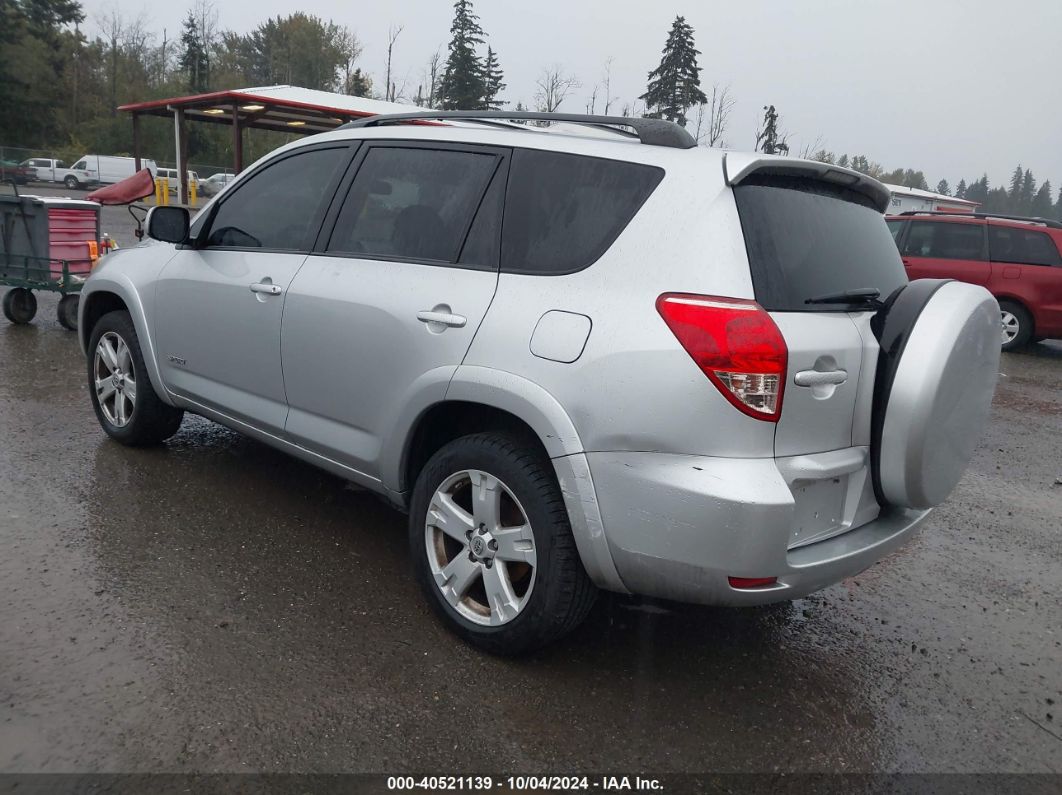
x,y
937,371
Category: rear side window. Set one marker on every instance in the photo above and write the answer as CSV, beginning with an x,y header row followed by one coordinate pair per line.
x,y
278,207
412,203
945,240
1026,246
563,211
806,239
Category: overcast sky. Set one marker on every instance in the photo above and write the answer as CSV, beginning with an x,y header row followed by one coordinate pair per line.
x,y
952,87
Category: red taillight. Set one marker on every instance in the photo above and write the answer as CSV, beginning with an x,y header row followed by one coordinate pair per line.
x,y
751,582
736,344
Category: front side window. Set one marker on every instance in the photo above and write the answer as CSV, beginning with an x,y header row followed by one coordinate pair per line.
x,y
277,207
412,203
1025,246
945,240
895,228
563,211
80,165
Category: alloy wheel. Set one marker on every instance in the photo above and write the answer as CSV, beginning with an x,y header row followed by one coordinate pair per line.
x,y
480,547
114,379
1010,326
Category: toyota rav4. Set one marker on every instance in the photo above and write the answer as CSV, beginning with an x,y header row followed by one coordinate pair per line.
x,y
605,361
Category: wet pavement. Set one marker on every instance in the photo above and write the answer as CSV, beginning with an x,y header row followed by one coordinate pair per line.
x,y
213,605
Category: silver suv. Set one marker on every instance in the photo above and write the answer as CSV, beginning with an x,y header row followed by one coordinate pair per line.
x,y
605,360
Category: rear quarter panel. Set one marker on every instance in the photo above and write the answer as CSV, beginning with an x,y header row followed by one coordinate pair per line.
x,y
634,388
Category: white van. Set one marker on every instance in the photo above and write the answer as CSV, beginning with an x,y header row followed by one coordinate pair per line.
x,y
106,169
170,175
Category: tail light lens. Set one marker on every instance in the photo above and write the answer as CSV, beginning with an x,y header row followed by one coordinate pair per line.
x,y
736,344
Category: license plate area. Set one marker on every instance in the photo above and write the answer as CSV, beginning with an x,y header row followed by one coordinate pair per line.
x,y
818,510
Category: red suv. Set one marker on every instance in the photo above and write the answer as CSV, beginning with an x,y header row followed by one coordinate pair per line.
x,y
1017,259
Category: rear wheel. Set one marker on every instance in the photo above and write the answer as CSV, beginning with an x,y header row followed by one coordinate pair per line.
x,y
1015,324
20,305
126,405
492,546
67,311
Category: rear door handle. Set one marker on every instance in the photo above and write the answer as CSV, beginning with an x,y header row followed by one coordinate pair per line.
x,y
267,288
820,378
444,318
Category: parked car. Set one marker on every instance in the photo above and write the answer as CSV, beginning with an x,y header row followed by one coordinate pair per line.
x,y
10,170
213,184
1016,259
104,170
46,169
171,177
660,375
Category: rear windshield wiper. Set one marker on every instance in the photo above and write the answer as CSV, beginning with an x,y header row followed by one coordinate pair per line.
x,y
870,296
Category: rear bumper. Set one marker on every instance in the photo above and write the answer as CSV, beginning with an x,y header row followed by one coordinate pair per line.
x,y
678,526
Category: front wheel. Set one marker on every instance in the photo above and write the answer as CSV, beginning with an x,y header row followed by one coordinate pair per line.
x,y
1016,325
492,546
126,405
20,305
71,183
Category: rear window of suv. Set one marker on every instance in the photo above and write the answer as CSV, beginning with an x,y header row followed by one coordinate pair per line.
x,y
807,239
563,211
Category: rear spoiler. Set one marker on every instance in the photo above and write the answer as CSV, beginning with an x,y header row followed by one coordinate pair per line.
x,y
738,167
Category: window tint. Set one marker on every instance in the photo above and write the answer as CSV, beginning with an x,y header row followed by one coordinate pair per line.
x,y
276,208
481,247
412,203
895,227
563,211
1027,246
807,239
946,240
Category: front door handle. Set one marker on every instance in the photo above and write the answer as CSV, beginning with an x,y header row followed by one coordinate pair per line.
x,y
820,378
442,318
266,287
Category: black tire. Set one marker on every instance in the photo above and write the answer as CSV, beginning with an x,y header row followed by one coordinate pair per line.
x,y
71,182
152,421
20,305
562,594
1024,320
67,311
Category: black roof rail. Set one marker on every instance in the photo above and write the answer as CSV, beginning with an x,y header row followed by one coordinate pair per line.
x,y
654,132
1048,222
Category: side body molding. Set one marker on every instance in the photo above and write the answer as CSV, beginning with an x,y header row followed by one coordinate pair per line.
x,y
548,419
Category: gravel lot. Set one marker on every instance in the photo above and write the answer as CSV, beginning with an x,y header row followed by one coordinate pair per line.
x,y
213,605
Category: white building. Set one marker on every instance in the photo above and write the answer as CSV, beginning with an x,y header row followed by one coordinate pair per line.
x,y
904,199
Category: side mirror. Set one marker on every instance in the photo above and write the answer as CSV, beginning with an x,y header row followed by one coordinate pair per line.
x,y
168,224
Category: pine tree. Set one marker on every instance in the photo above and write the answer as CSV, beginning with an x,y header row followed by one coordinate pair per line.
x,y
1028,193
1041,204
978,191
943,188
359,84
463,85
1014,193
675,85
194,61
1058,205
493,81
960,189
843,161
768,139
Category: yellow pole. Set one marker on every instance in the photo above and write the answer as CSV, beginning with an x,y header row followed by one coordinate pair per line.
x,y
192,190
158,192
